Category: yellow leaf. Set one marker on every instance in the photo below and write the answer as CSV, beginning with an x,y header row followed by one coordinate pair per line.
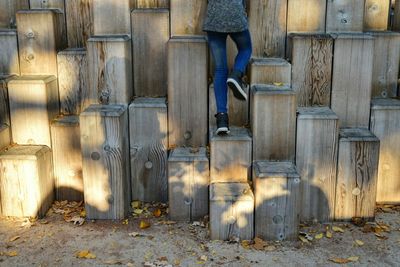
x,y
11,253
337,229
85,254
259,244
245,244
125,222
340,260
303,239
278,84
328,234
144,224
359,242
157,213
14,238
203,258
319,236
138,211
83,213
135,204
353,258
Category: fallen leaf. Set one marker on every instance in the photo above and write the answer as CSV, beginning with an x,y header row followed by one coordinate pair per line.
x,y
77,220
85,254
360,222
259,244
134,234
319,236
270,248
157,213
11,253
138,211
340,260
303,239
203,258
144,224
83,213
245,244
278,84
125,222
135,204
12,239
337,229
353,258
328,234
359,242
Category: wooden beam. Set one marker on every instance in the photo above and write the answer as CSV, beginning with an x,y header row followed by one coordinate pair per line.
x,y
5,136
306,16
8,10
376,17
396,19
345,16
187,17
4,102
111,17
9,60
270,71
151,4
79,19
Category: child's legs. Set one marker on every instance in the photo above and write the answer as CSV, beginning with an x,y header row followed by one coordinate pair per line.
x,y
243,44
217,43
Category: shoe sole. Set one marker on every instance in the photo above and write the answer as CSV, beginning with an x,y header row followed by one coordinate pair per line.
x,y
222,130
237,89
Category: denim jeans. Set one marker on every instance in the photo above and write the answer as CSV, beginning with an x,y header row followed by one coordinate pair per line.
x,y
217,43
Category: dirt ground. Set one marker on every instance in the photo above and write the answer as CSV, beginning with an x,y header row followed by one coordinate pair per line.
x,y
57,241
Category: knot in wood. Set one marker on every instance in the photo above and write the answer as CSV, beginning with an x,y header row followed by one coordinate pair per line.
x,y
278,219
110,199
148,165
30,35
188,201
356,191
187,135
107,148
95,156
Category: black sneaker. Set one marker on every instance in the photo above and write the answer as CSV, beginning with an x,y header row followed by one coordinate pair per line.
x,y
222,123
237,86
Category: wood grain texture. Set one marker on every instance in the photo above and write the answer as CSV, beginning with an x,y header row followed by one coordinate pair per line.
x,y
33,104
187,91
270,71
8,9
150,34
267,25
187,17
188,180
306,16
385,124
273,122
73,81
67,156
9,60
4,102
386,60
311,57
5,137
396,17
110,69
26,181
151,3
316,161
352,79
231,211
105,161
376,16
79,19
118,11
345,16
277,195
357,174
148,130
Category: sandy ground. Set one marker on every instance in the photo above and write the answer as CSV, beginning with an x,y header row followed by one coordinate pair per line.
x,y
52,241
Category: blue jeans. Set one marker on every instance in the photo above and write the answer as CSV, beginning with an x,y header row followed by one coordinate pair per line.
x,y
217,43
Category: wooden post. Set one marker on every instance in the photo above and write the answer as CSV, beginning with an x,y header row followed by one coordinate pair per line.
x,y
270,71
273,122
345,16
376,15
110,69
187,91
148,129
267,22
385,124
306,16
316,161
357,174
4,102
105,161
352,79
396,19
33,104
151,4
231,156
187,17
150,34
277,200
9,60
79,19
111,17
8,9
66,146
231,211
386,60
26,181
39,38
5,136
311,57
188,179
73,81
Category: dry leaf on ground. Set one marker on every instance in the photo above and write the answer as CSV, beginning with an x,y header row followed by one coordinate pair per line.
x,y
144,224
337,229
12,239
85,254
359,242
157,213
11,253
319,236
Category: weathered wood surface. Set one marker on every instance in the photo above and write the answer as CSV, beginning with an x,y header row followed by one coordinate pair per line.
x,y
111,17
187,91
386,60
396,17
357,174
67,158
8,9
33,104
231,156
273,122
277,195
231,211
311,57
188,180
110,69
306,16
79,19
73,81
385,124
150,34
26,181
376,16
105,161
4,104
316,161
187,17
148,130
39,38
5,136
9,60
270,71
267,24
352,79
345,16
151,3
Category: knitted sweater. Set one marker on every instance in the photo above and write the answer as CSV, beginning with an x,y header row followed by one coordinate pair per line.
x,y
225,16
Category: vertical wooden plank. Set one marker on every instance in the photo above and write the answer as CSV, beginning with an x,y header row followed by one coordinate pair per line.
x,y
316,162
150,34
270,71
376,17
110,69
396,19
151,3
79,19
311,57
105,161
352,79
9,60
187,17
66,146
8,10
5,138
267,23
119,11
306,16
345,15
385,124
4,104
148,130
187,91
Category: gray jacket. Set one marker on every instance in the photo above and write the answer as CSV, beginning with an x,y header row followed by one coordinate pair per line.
x,y
225,16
